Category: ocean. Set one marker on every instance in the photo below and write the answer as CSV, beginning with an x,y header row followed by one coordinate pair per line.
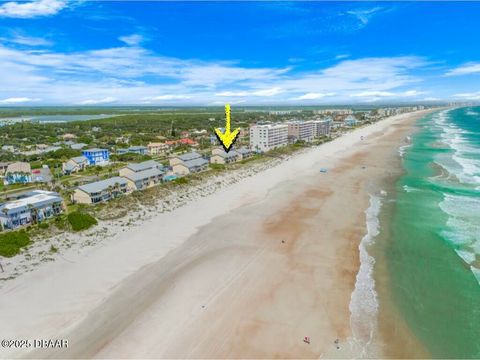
x,y
432,241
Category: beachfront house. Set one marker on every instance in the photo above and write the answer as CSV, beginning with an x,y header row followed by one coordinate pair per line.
x,y
219,156
190,166
18,173
188,163
145,179
97,156
74,164
100,191
32,207
245,153
138,167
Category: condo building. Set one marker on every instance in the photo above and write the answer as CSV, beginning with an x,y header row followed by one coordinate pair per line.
x,y
301,130
269,136
322,127
100,191
97,156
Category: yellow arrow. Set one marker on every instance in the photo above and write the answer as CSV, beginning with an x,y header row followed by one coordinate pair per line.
x,y
228,137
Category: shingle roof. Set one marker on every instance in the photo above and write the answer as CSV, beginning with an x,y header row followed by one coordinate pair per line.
x,y
189,156
79,159
94,150
19,167
226,155
99,186
149,164
244,151
195,162
141,175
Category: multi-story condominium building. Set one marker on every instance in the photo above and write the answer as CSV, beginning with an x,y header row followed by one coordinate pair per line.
x,y
334,111
32,207
301,130
322,127
18,173
269,136
100,191
74,164
97,156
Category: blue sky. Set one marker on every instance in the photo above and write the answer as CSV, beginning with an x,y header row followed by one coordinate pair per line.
x,y
60,52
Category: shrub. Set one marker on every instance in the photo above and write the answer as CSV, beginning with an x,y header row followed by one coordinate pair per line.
x,y
81,221
217,166
180,180
12,242
43,225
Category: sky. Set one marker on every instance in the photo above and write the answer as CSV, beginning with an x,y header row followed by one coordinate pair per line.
x,y
61,52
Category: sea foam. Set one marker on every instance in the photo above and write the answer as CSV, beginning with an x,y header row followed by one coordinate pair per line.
x,y
363,303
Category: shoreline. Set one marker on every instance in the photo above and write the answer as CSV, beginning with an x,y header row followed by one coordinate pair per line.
x,y
215,263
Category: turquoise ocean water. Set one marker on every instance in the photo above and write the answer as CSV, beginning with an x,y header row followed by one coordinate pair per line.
x,y
433,255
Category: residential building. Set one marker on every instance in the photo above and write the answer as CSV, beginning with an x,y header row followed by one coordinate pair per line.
x,y
3,167
141,150
350,121
42,175
97,156
69,136
78,146
138,167
74,164
177,159
245,153
144,179
301,130
322,127
32,207
190,166
269,136
157,148
219,156
100,191
18,173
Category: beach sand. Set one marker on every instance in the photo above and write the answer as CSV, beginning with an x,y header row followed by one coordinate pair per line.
x,y
247,272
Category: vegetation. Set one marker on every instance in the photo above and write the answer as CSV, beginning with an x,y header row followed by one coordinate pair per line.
x,y
12,242
80,221
217,167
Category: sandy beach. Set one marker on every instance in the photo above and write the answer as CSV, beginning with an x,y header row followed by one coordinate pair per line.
x,y
246,272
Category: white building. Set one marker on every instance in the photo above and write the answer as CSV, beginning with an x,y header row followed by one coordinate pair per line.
x,y
301,130
268,137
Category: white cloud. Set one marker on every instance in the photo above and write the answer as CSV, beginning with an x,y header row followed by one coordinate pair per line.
x,y
27,40
31,9
131,40
106,100
364,15
312,96
167,97
381,94
466,69
264,92
432,99
17,100
469,96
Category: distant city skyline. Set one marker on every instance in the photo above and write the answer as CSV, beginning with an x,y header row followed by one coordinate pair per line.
x,y
58,52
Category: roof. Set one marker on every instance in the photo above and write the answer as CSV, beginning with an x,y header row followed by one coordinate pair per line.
x,y
94,150
243,151
145,174
195,162
19,167
149,164
189,156
79,159
78,146
37,199
137,148
226,155
99,186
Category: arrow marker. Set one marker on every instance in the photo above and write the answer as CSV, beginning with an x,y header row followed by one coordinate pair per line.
x,y
228,137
